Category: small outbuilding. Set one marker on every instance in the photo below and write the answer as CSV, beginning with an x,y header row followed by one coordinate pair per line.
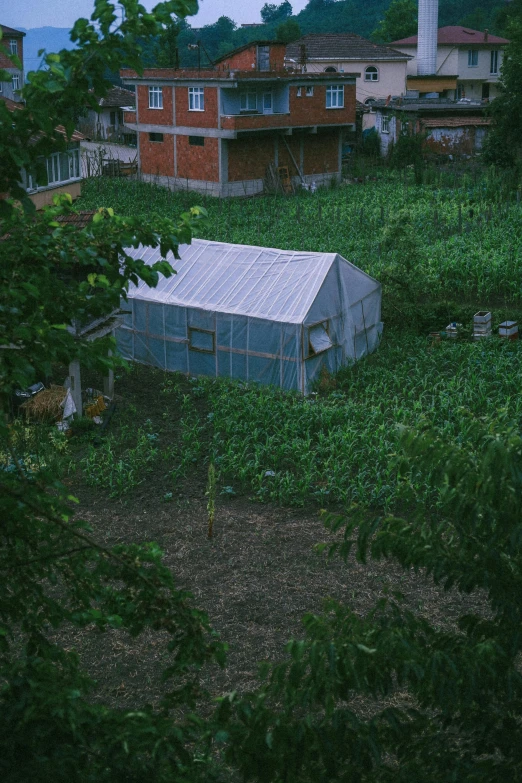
x,y
252,313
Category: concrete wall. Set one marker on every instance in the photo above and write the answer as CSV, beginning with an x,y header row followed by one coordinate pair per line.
x,y
392,76
45,197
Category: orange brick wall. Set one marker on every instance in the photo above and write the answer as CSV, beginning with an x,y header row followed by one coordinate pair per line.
x,y
154,116
198,162
5,62
249,157
247,59
321,152
311,111
157,157
284,158
197,119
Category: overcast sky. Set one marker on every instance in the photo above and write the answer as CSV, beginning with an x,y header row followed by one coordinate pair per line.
x,y
63,13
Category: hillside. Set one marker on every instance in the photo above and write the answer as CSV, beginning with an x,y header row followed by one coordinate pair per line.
x,y
52,39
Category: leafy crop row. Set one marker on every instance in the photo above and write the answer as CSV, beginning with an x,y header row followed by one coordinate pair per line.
x,y
469,240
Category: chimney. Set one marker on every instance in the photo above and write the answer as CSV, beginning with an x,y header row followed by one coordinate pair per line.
x,y
427,37
486,34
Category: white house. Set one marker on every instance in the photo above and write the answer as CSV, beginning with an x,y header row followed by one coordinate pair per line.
x,y
468,61
382,70
106,124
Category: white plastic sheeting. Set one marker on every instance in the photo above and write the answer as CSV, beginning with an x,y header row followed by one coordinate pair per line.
x,y
252,313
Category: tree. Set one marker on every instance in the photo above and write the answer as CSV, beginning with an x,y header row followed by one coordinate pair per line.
x,y
318,5
54,572
506,15
392,696
272,13
399,21
288,31
503,143
167,46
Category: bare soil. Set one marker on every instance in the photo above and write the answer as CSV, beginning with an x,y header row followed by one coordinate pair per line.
x,y
256,577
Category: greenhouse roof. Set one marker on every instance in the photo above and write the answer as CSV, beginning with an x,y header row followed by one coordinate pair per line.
x,y
260,282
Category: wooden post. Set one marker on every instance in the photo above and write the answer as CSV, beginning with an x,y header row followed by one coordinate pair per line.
x,y
75,380
108,381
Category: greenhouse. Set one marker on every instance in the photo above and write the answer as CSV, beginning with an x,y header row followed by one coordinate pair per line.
x,y
252,313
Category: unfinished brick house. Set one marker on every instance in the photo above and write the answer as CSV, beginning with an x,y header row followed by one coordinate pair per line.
x,y
217,130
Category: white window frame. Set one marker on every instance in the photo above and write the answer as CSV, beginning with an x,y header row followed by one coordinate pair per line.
x,y
16,81
196,96
13,46
248,101
54,177
371,74
155,97
473,58
309,92
385,123
493,62
298,92
335,96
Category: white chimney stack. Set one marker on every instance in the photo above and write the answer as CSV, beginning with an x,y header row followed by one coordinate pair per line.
x,y
427,37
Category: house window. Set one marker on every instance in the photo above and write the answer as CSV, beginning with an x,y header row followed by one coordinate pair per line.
x,y
318,339
13,46
330,69
472,58
268,103
16,82
196,98
385,126
202,340
155,136
155,97
196,141
298,93
334,96
309,92
493,68
371,74
63,166
461,92
113,118
1,88
248,101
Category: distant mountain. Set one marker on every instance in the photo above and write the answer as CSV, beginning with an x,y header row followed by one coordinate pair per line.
x,y
52,39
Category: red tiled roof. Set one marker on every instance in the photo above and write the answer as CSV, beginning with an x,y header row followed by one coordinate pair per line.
x,y
341,46
78,219
11,31
457,35
11,105
453,122
117,97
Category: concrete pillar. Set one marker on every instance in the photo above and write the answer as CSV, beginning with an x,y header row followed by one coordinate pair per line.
x,y
75,380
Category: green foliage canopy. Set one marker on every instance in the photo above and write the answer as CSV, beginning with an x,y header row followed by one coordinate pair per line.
x,y
55,575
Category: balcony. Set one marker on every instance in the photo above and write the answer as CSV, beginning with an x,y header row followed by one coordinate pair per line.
x,y
255,121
